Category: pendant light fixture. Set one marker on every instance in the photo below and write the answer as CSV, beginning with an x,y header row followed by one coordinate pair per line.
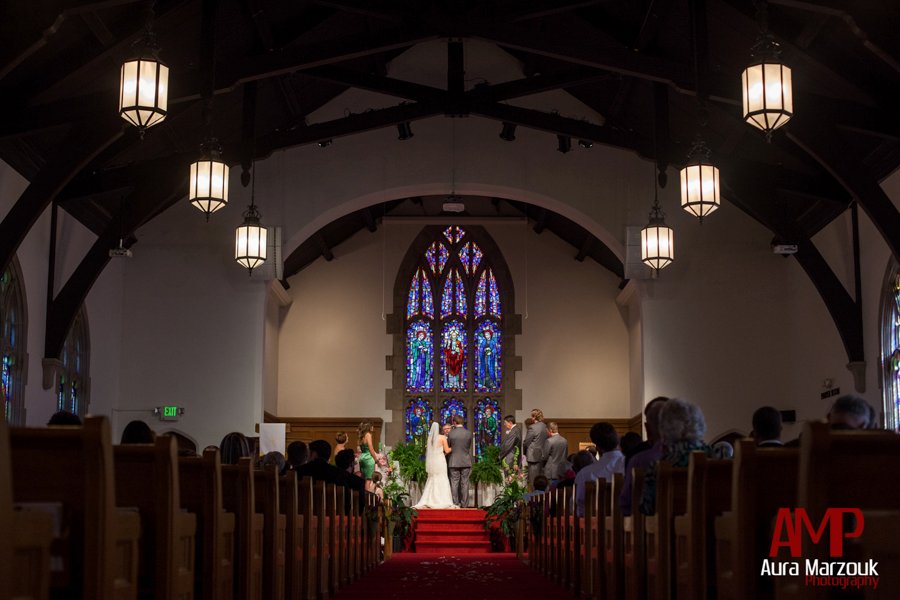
x,y
700,182
250,237
657,238
144,83
209,179
768,100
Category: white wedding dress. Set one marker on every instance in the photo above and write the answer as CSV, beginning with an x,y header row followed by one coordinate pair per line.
x,y
437,487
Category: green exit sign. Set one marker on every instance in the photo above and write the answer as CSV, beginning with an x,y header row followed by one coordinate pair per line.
x,y
169,413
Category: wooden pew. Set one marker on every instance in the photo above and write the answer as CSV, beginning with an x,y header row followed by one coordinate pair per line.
x,y
592,580
613,566
201,493
333,529
99,548
879,543
633,554
25,553
274,524
709,495
239,496
289,503
856,469
659,528
762,481
323,538
146,477
309,568
571,543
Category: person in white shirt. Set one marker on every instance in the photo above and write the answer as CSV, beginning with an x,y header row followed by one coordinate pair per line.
x,y
611,461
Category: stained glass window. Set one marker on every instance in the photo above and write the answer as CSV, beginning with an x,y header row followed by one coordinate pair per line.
x,y
452,334
454,234
419,415
453,357
891,350
470,257
419,301
419,357
12,342
487,424
452,407
437,255
73,381
488,357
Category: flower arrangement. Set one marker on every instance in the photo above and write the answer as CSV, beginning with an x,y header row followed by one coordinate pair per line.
x,y
397,513
506,510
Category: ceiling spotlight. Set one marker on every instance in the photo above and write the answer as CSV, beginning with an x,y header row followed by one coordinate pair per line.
x,y
508,133
586,144
565,143
404,131
325,143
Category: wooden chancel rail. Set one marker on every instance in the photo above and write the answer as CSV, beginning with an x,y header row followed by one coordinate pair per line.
x,y
307,429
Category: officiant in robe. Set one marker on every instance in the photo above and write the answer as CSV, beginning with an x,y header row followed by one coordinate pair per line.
x,y
511,441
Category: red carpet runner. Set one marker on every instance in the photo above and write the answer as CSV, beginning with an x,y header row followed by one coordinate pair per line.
x,y
454,531
439,577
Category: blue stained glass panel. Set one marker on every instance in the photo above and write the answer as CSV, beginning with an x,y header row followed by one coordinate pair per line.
x,y
454,234
488,357
453,357
460,295
494,294
427,298
412,300
892,351
464,257
481,296
419,415
6,386
447,297
437,255
452,407
487,425
419,358
470,256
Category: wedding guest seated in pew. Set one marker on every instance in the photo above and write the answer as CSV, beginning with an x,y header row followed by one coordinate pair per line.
x,y
374,486
137,432
851,412
767,427
611,461
630,445
648,453
723,451
579,461
541,483
63,417
340,439
344,461
274,458
297,454
319,469
234,447
681,429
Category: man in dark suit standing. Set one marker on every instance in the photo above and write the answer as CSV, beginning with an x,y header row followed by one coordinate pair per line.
x,y
533,446
512,440
460,463
556,448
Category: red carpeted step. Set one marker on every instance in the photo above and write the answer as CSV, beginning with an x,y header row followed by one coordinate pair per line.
x,y
451,531
441,526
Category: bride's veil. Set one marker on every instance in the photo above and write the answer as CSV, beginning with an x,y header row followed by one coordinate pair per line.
x,y
434,454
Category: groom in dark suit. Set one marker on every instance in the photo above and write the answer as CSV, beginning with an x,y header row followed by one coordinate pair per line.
x,y
460,461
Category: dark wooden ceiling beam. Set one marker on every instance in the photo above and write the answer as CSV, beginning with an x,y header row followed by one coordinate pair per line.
x,y
825,145
534,85
327,254
375,83
369,220
540,10
374,10
74,152
586,247
541,222
456,68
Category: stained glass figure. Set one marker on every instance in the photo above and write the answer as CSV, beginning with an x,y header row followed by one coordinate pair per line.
x,y
487,425
447,297
494,297
453,357
454,234
488,357
419,415
470,257
891,353
481,296
452,407
437,255
72,394
419,359
6,386
12,338
460,295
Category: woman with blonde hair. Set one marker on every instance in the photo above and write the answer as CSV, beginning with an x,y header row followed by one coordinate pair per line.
x,y
367,454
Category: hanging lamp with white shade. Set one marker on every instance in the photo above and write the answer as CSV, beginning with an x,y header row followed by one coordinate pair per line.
x,y
144,83
208,190
250,238
766,84
657,238
700,194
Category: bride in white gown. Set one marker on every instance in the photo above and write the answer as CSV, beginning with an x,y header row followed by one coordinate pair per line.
x,y
437,488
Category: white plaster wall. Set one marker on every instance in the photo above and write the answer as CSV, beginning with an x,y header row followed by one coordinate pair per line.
x,y
574,342
193,327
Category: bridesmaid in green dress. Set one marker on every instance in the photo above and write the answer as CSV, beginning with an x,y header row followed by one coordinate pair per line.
x,y
367,454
